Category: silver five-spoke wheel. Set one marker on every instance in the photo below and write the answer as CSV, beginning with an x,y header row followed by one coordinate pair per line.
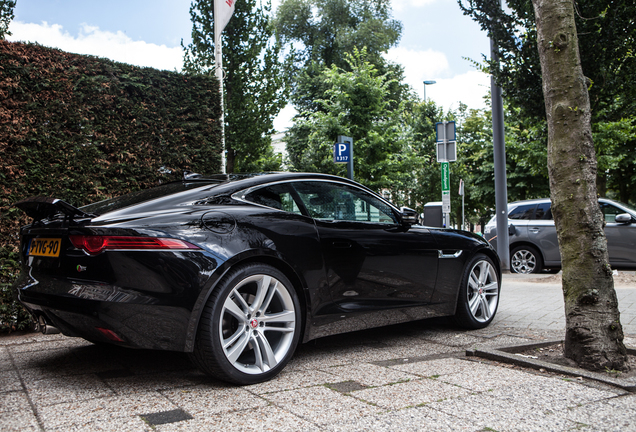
x,y
250,326
257,324
478,294
483,291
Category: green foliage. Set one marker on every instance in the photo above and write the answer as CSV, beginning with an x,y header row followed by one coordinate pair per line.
x,y
255,79
85,129
6,16
606,38
353,104
320,33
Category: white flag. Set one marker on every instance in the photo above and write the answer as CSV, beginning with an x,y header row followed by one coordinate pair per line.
x,y
223,10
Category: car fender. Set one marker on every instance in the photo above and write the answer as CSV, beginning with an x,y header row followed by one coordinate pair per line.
x,y
265,256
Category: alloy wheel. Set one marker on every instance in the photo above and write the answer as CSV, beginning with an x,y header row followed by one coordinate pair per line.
x,y
257,324
483,291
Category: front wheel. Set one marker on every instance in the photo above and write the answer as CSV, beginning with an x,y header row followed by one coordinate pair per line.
x,y
478,294
250,326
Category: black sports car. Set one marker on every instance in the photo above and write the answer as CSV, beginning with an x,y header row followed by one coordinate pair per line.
x,y
237,269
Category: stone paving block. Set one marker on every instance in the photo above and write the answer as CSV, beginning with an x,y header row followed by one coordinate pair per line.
x,y
615,414
44,359
66,389
119,424
9,381
269,418
494,414
14,401
19,421
322,406
369,374
408,420
80,413
292,379
410,394
205,400
146,383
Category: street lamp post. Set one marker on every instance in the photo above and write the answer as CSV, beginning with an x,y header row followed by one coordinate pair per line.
x,y
425,84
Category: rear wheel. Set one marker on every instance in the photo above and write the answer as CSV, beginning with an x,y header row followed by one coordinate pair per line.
x,y
250,326
478,294
525,260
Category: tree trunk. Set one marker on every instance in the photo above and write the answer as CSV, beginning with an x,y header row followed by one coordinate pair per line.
x,y
594,335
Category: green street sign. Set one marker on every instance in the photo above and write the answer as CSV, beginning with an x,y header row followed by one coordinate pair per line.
x,y
445,177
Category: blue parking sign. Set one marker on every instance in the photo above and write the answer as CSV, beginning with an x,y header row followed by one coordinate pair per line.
x,y
342,152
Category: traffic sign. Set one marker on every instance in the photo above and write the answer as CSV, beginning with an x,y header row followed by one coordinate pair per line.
x,y
445,177
342,152
445,131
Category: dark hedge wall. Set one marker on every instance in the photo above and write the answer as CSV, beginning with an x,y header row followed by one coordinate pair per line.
x,y
83,129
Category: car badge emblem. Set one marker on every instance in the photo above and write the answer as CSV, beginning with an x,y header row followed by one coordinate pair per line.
x,y
81,268
254,323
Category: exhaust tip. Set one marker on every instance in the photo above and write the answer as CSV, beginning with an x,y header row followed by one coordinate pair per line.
x,y
46,328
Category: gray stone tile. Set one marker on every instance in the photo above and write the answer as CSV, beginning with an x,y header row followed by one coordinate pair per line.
x,y
293,379
66,389
322,406
14,401
18,421
9,381
269,418
81,413
410,394
369,374
206,400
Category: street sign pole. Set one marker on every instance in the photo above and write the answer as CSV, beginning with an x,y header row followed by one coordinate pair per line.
x,y
446,152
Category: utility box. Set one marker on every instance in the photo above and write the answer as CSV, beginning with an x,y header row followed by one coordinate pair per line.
x,y
433,216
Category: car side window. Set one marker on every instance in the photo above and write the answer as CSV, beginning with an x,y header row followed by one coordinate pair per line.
x,y
543,211
522,212
276,196
331,201
610,212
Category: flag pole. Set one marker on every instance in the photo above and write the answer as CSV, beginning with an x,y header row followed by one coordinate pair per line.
x,y
218,71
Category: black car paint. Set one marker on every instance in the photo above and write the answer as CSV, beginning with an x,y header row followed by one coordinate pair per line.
x,y
154,299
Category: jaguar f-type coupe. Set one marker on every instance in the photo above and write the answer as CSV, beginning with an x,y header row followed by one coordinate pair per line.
x,y
236,270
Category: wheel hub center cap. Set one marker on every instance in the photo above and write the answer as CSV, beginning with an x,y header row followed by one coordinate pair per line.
x,y
254,323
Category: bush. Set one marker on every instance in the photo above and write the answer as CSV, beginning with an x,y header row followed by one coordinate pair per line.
x,y
83,129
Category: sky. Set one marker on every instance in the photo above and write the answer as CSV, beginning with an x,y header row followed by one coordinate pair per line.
x,y
437,40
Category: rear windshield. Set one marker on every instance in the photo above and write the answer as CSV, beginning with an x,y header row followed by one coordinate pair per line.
x,y
133,198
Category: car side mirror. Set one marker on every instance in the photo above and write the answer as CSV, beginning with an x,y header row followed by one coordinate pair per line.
x,y
409,216
623,218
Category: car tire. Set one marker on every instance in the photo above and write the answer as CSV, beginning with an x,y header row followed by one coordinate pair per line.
x,y
250,326
525,260
478,294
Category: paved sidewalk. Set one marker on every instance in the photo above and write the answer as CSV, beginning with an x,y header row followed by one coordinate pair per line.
x,y
411,377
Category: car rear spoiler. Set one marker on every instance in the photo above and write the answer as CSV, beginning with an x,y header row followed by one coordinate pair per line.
x,y
41,207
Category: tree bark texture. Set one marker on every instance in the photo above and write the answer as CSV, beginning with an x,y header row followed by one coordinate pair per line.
x,y
594,335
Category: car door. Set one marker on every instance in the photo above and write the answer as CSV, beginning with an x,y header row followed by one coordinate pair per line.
x,y
372,261
621,237
542,232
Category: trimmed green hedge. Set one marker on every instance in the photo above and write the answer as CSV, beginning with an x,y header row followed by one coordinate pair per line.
x,y
83,129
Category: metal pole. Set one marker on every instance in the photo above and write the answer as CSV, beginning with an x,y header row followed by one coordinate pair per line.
x,y
218,71
499,151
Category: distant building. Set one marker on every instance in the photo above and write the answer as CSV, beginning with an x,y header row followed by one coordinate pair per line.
x,y
280,146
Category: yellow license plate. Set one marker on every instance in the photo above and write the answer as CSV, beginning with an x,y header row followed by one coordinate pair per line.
x,y
48,247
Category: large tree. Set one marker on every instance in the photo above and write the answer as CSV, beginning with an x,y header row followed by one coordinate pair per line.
x,y
594,335
254,80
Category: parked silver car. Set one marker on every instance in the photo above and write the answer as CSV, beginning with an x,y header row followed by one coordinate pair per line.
x,y
533,239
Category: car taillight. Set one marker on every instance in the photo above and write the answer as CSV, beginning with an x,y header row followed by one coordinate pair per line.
x,y
94,245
